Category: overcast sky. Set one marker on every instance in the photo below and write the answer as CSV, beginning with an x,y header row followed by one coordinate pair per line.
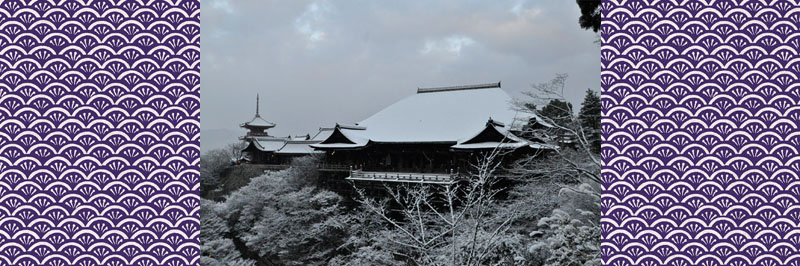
x,y
316,63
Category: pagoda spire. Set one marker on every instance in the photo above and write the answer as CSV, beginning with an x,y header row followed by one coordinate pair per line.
x,y
257,104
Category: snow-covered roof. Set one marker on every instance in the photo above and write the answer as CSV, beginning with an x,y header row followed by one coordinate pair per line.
x,y
268,144
432,115
289,144
324,133
298,147
301,137
257,121
439,116
494,135
268,138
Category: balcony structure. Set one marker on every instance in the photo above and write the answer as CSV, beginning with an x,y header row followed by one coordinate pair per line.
x,y
423,178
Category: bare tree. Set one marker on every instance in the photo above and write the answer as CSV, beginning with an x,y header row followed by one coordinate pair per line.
x,y
235,150
212,166
214,163
560,128
446,224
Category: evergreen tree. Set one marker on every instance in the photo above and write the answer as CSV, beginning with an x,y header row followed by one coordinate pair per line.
x,y
590,14
589,117
558,110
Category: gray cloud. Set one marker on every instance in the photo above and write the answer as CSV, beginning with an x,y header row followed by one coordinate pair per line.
x,y
315,63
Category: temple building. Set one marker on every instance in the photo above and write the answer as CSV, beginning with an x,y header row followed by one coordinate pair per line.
x,y
432,136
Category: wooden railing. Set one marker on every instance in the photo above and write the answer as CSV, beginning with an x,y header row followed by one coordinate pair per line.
x,y
357,174
334,167
431,178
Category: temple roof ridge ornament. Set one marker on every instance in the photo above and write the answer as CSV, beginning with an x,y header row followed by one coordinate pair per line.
x,y
353,126
495,123
458,88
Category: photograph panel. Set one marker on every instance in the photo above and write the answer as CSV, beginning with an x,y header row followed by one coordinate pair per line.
x,y
409,133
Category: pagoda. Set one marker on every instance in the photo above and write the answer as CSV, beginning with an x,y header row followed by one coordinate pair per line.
x,y
272,151
256,127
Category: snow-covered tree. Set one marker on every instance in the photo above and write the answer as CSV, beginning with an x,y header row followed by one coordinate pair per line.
x,y
217,248
447,224
369,242
569,235
214,163
283,220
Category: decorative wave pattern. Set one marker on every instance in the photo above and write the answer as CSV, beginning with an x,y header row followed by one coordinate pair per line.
x,y
99,132
701,108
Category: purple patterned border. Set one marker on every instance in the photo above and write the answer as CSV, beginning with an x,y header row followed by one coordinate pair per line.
x,y
700,127
99,132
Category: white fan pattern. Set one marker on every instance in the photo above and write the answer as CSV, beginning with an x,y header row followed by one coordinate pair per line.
x,y
701,108
99,132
